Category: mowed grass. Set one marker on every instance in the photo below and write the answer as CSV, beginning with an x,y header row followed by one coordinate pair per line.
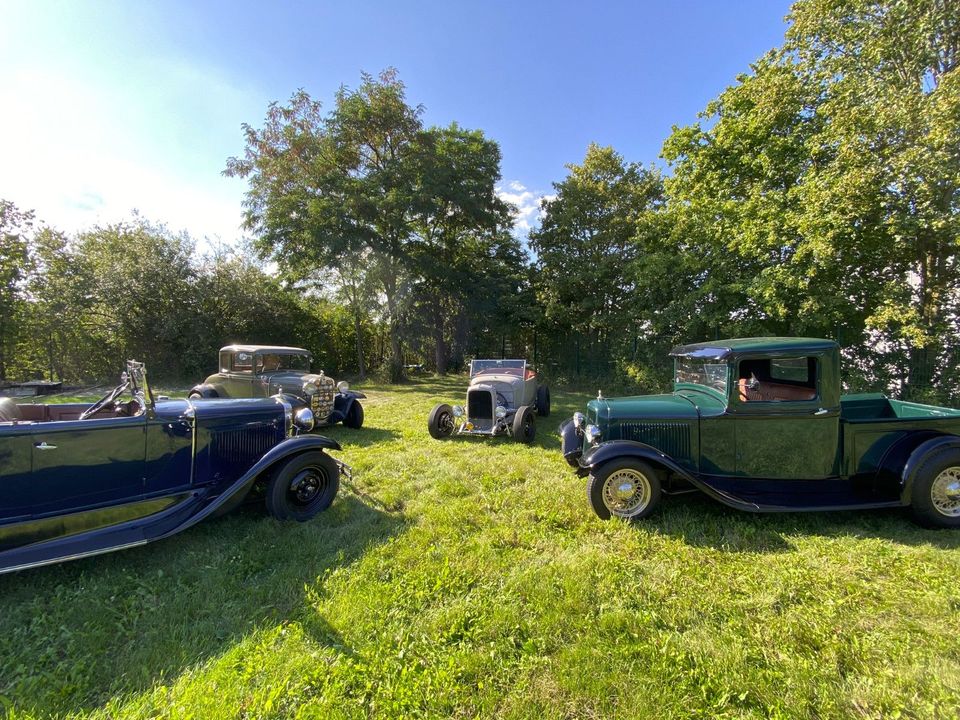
x,y
469,578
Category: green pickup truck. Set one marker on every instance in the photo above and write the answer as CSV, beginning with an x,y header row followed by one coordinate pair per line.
x,y
760,424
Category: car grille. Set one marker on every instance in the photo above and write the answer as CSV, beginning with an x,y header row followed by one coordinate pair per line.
x,y
480,409
321,402
668,437
237,450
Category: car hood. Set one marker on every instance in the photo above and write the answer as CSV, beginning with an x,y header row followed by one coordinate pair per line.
x,y
641,407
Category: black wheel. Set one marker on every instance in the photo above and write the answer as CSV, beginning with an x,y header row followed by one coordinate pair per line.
x,y
625,488
543,401
440,422
302,487
524,425
936,490
195,396
354,416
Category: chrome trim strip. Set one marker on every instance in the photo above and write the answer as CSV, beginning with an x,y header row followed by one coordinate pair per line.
x,y
67,558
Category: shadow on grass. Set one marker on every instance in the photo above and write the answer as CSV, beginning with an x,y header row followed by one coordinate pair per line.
x,y
700,521
364,437
75,635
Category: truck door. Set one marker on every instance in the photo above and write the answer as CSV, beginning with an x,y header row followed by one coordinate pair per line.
x,y
787,422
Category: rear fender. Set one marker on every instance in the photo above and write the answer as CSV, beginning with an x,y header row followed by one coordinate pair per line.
x,y
208,391
919,454
240,487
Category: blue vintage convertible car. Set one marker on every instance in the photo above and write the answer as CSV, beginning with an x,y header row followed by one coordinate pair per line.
x,y
78,480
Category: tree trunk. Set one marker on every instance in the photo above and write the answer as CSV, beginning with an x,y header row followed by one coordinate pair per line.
x,y
440,346
356,330
390,291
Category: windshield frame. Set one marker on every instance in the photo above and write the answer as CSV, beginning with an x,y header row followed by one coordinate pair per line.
x,y
696,375
512,367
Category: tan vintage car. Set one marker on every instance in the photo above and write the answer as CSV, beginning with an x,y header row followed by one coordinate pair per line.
x,y
266,370
502,399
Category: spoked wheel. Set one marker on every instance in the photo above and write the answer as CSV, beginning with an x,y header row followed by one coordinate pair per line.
x,y
936,491
628,489
440,422
303,487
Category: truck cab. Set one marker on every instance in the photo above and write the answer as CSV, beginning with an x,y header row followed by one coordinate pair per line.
x,y
760,424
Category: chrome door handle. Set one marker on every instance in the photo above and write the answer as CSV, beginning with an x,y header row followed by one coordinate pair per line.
x,y
821,411
44,446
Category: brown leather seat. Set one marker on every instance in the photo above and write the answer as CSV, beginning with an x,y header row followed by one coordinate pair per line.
x,y
772,392
9,412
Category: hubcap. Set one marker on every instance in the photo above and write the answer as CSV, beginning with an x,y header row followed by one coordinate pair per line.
x,y
626,492
307,485
945,492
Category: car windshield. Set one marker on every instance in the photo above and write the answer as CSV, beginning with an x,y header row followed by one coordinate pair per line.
x,y
511,367
272,362
699,371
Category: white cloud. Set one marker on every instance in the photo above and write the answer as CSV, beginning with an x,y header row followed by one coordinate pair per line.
x,y
527,213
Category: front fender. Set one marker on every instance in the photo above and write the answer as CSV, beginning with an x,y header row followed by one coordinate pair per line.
x,y
917,458
240,487
613,449
342,402
571,443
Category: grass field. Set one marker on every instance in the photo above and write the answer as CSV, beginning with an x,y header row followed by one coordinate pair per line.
x,y
469,578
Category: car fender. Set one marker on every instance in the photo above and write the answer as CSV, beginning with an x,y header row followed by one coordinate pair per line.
x,y
571,443
240,487
208,391
918,456
614,449
342,402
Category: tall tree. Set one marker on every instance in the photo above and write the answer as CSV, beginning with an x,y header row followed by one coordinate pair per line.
x,y
15,228
585,246
822,191
357,180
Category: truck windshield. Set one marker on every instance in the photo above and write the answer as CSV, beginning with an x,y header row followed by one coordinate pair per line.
x,y
707,372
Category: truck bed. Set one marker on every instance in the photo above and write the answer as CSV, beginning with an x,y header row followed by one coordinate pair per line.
x,y
871,423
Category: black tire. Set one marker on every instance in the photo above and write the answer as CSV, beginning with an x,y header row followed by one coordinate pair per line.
x,y
303,486
524,426
543,401
607,491
440,422
195,396
935,500
354,417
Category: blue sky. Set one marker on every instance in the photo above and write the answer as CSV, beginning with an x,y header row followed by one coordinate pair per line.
x,y
112,106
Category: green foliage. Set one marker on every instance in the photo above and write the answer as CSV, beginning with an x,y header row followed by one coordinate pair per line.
x,y
585,246
820,195
368,182
479,584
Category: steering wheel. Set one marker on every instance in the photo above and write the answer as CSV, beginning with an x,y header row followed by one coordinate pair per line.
x,y
103,402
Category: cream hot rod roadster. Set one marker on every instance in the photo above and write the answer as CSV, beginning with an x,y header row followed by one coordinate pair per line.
x,y
502,399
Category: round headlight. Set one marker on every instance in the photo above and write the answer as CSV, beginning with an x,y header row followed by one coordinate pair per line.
x,y
592,433
578,420
501,411
310,387
303,419
457,411
343,386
